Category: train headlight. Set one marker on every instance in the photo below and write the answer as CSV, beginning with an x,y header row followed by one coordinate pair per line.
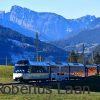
x,y
20,75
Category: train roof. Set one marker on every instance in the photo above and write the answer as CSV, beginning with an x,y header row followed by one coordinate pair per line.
x,y
66,64
76,64
39,63
59,64
91,66
35,63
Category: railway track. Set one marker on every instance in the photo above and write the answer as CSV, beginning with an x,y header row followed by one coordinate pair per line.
x,y
43,83
31,83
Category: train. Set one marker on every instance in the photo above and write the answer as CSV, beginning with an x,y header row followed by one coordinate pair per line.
x,y
25,71
31,71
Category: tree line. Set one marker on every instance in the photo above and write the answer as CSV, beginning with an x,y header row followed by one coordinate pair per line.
x,y
75,57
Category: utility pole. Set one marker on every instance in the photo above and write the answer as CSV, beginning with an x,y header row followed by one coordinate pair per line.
x,y
6,61
86,69
83,54
93,57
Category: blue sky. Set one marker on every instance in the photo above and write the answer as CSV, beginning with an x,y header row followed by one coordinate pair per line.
x,y
66,8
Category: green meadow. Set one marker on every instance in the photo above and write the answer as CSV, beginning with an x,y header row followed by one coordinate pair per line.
x,y
6,76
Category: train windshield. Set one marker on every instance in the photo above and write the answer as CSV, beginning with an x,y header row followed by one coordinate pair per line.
x,y
21,69
38,69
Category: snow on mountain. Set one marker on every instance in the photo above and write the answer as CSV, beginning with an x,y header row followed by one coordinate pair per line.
x,y
18,43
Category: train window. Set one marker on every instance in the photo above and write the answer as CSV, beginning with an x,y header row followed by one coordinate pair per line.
x,y
38,69
64,69
21,69
54,69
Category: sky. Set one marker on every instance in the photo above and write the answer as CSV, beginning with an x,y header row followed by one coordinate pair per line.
x,y
67,8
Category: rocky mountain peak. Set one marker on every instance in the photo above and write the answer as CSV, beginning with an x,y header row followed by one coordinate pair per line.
x,y
51,26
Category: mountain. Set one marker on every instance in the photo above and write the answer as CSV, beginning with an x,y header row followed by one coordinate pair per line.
x,y
91,39
65,33
15,46
50,26
87,36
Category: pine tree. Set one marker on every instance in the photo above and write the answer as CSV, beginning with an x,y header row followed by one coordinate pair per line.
x,y
97,58
73,57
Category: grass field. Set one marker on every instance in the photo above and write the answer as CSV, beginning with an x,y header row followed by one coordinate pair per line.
x,y
6,76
